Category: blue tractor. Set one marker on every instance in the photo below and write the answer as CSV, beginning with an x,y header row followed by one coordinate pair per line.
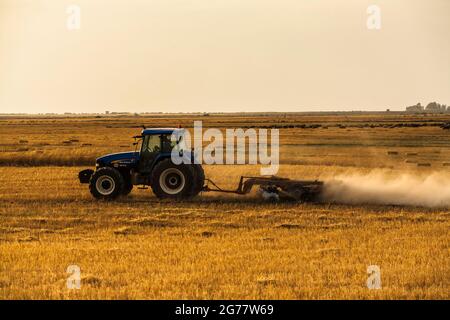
x,y
117,173
152,165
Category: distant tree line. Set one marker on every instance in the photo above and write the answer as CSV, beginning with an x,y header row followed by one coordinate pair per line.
x,y
432,107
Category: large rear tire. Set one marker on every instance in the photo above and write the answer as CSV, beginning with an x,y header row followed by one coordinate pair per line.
x,y
169,180
199,179
127,188
106,183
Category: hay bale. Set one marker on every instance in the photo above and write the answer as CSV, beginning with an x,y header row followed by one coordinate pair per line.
x,y
23,141
424,164
412,154
392,153
265,281
155,223
124,231
207,234
446,164
290,226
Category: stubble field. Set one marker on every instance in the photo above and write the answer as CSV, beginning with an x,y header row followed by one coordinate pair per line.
x,y
225,247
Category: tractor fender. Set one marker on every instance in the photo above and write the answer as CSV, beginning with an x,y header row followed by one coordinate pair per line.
x,y
85,175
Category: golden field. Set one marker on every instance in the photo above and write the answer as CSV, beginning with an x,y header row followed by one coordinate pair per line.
x,y
221,246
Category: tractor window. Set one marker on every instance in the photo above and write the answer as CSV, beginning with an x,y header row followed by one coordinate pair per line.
x,y
167,143
151,144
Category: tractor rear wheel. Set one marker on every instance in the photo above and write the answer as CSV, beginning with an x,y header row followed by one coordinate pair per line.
x,y
106,183
169,180
127,187
199,179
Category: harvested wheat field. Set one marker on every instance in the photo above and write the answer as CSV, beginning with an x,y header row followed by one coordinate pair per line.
x,y
386,203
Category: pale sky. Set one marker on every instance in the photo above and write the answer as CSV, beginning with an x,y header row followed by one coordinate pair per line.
x,y
222,55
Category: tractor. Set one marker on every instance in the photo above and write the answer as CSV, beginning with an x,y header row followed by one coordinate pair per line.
x,y
116,174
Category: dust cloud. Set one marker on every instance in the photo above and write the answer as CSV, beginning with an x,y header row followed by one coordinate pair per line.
x,y
432,190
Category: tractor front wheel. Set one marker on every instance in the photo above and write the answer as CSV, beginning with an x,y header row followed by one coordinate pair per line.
x,y
172,181
106,183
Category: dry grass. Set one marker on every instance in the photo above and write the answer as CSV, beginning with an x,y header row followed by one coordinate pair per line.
x,y
218,246
303,139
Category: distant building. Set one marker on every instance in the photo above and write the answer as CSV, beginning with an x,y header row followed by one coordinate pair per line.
x,y
416,108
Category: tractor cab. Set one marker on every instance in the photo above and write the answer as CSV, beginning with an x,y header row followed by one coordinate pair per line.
x,y
156,145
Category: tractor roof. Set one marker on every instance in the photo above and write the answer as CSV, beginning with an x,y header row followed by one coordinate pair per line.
x,y
159,131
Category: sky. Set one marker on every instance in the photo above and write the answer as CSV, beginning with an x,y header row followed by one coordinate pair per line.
x,y
222,55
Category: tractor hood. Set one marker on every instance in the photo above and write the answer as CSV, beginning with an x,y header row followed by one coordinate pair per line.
x,y
120,157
